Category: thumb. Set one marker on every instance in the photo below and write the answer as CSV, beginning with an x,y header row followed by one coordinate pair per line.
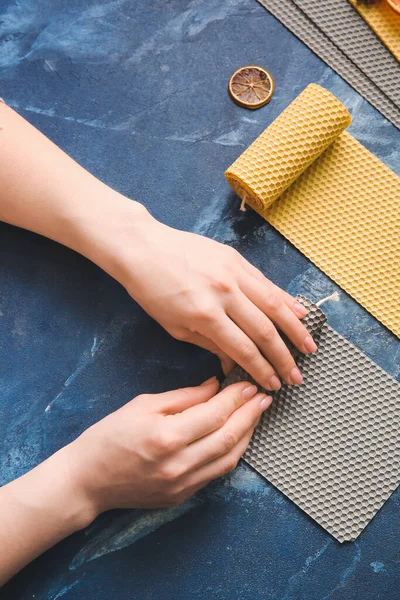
x,y
176,401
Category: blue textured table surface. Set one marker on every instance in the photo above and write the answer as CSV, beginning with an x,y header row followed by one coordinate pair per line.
x,y
136,92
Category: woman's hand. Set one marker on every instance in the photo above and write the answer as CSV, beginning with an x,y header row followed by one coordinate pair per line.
x,y
206,293
199,290
155,451
158,450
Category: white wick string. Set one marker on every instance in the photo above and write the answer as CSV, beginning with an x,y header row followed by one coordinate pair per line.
x,y
335,297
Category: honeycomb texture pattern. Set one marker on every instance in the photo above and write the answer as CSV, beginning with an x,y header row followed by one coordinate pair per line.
x,y
384,21
343,25
342,212
293,141
304,28
332,444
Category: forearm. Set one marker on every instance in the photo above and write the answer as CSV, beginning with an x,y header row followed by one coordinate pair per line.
x,y
197,289
42,189
38,510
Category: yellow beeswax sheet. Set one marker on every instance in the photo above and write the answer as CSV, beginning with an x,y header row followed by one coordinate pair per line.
x,y
329,196
384,21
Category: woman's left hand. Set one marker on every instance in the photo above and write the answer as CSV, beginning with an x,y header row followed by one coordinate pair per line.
x,y
206,293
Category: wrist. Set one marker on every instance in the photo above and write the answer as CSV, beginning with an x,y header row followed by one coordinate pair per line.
x,y
79,508
111,230
50,492
40,509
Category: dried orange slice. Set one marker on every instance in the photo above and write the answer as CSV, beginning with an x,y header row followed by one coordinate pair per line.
x,y
251,86
395,4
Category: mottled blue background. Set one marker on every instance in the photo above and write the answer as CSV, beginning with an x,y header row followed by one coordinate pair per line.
x,y
136,92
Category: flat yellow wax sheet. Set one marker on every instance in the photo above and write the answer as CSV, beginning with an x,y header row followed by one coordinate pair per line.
x,y
343,209
384,21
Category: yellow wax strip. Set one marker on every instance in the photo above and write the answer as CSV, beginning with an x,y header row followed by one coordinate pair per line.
x,y
384,21
328,195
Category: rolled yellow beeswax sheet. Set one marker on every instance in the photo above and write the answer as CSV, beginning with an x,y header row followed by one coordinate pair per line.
x,y
342,211
288,146
384,21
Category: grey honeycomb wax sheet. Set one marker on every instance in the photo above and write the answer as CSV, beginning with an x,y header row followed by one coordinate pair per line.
x,y
347,29
345,58
332,444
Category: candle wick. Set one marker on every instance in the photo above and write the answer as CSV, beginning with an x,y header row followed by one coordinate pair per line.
x,y
335,297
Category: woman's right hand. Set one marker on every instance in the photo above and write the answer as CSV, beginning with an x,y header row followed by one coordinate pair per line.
x,y
158,450
155,451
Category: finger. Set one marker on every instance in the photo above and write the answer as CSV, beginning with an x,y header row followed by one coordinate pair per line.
x,y
227,365
200,340
264,334
200,420
222,465
244,352
177,401
298,309
223,440
272,305
262,331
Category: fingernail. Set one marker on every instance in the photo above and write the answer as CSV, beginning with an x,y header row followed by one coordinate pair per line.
x,y
299,309
296,376
309,344
274,383
249,392
265,403
211,380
